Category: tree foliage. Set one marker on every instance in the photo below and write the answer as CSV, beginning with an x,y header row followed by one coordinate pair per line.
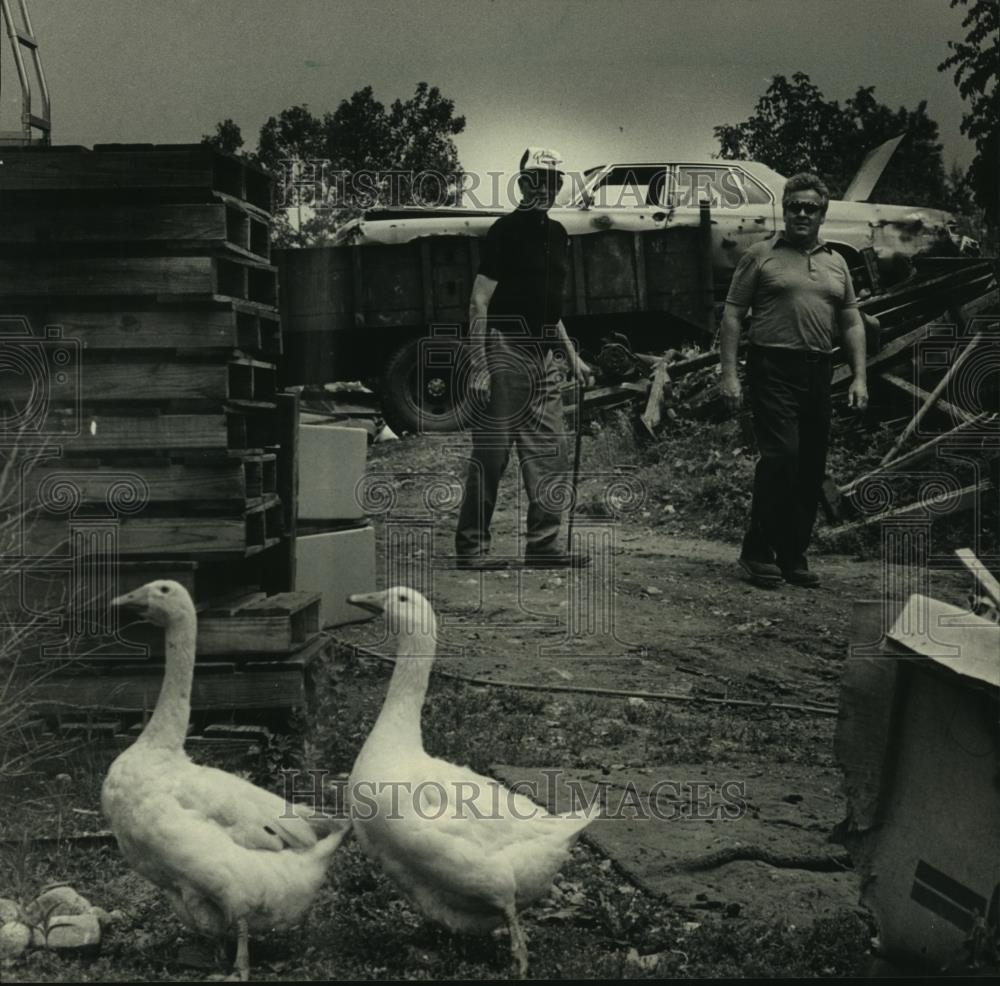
x,y
793,128
332,167
976,61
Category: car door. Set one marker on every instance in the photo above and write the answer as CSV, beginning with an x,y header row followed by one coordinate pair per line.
x,y
744,210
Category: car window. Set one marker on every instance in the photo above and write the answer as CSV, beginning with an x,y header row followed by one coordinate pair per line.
x,y
723,187
630,186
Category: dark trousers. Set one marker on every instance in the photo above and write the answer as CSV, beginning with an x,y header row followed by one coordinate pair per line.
x,y
524,409
790,401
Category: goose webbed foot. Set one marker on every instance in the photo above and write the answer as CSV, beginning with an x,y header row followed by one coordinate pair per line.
x,y
518,943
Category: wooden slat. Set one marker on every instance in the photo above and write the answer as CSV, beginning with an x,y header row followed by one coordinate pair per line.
x,y
953,502
201,225
893,349
911,388
224,481
159,380
191,170
151,536
114,433
988,583
164,328
280,575
968,430
160,277
280,689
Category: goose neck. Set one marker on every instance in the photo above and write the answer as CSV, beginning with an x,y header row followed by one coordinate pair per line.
x,y
167,728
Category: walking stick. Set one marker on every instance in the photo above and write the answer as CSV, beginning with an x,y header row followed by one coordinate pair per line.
x,y
576,463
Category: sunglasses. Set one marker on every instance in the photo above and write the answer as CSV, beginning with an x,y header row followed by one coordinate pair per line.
x,y
809,208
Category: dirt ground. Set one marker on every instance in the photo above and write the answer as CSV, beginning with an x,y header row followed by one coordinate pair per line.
x,y
656,611
711,679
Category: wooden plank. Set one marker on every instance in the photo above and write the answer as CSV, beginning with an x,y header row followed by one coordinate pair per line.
x,y
988,583
953,502
224,481
160,277
190,171
202,226
639,259
282,689
156,536
968,428
176,168
158,380
426,279
161,328
868,701
910,388
889,352
934,397
280,575
155,432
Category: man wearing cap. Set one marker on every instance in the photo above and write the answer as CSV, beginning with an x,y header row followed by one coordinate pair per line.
x,y
801,296
519,342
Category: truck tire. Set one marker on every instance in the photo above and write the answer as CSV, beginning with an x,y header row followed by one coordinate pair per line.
x,y
429,398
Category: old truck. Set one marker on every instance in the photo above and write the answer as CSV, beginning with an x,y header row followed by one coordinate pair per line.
x,y
653,246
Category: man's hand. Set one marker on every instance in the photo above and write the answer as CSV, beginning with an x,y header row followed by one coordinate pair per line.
x,y
582,372
731,391
857,394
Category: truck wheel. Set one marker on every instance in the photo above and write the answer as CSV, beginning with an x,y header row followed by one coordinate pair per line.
x,y
423,398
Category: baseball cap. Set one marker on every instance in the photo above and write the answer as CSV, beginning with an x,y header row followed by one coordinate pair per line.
x,y
541,159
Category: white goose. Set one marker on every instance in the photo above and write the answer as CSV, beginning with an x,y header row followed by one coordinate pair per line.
x,y
466,850
230,856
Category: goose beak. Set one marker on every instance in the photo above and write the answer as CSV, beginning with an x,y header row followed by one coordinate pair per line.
x,y
135,601
371,601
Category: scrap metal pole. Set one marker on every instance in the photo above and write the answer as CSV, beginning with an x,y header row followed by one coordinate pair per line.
x,y
707,269
580,389
931,399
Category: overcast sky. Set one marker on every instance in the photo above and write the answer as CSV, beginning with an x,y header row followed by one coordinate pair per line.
x,y
611,80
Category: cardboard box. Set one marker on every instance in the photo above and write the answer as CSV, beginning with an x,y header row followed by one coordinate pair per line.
x,y
331,465
919,744
335,564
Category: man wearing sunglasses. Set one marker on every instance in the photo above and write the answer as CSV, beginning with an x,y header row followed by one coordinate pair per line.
x,y
801,298
520,346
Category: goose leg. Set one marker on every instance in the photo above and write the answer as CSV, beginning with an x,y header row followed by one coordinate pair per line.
x,y
242,950
518,943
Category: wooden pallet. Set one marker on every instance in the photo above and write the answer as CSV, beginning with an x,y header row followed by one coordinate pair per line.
x,y
222,480
225,226
179,172
89,431
253,529
192,327
120,377
268,683
172,277
247,624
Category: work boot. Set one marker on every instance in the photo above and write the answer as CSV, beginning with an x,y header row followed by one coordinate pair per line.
x,y
800,575
761,572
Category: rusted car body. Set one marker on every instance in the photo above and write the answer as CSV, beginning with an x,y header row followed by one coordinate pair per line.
x,y
745,199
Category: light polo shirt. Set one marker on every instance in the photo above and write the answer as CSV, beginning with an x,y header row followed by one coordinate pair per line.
x,y
796,297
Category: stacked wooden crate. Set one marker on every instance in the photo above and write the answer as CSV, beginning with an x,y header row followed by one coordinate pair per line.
x,y
138,281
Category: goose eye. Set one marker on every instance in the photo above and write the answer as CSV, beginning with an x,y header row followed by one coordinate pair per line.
x,y
402,598
164,589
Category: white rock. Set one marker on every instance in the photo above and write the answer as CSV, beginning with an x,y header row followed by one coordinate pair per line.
x,y
636,703
59,900
652,590
73,932
14,939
